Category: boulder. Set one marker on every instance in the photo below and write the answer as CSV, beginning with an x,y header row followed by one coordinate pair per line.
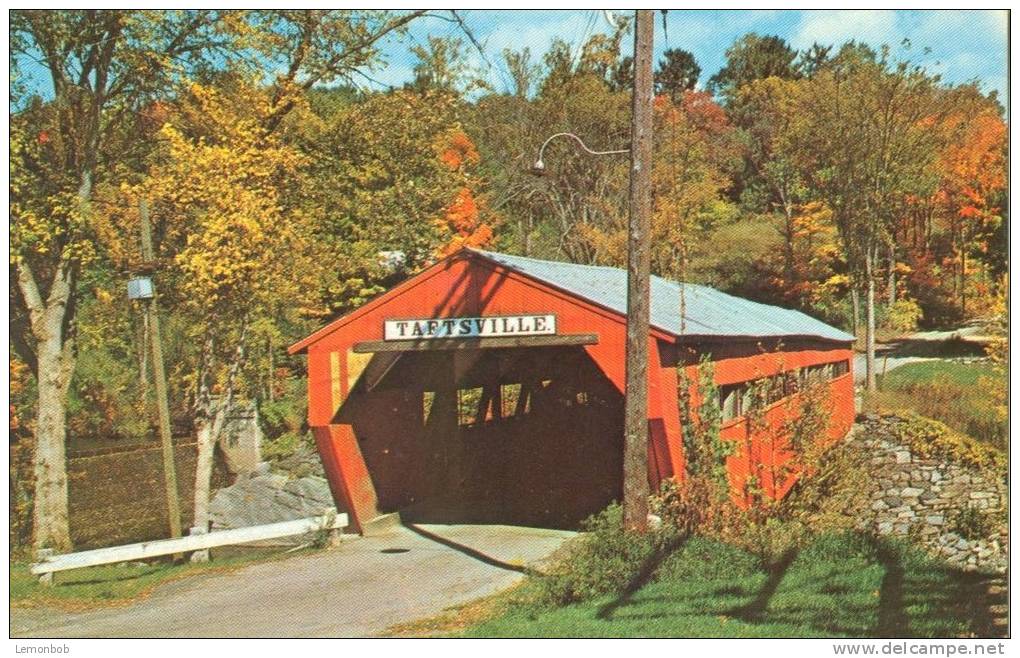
x,y
270,498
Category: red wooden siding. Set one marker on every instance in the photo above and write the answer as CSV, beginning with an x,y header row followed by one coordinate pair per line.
x,y
470,286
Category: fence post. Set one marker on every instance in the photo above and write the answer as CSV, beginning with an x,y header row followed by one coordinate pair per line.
x,y
42,555
203,554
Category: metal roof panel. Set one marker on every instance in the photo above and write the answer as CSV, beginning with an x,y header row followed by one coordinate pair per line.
x,y
708,312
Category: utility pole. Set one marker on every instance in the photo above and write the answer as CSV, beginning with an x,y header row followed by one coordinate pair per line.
x,y
173,502
635,440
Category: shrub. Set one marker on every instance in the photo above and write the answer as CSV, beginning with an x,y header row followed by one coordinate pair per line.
x,y
902,317
830,498
286,445
971,523
839,546
698,506
287,414
603,561
933,439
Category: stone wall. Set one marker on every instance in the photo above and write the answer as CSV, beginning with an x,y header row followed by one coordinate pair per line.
x,y
921,498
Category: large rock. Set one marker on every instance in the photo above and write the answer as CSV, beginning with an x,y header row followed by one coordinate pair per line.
x,y
270,498
303,461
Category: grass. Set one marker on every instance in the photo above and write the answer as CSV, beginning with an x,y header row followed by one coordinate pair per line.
x,y
955,393
929,372
119,584
846,585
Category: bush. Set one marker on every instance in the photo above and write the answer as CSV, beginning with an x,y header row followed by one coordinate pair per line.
x,y
831,497
902,317
287,414
286,445
284,422
603,561
933,439
841,546
772,538
971,523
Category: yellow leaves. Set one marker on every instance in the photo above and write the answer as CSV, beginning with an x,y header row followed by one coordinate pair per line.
x,y
218,189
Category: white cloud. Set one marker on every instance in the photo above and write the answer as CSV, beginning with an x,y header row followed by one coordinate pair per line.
x,y
837,27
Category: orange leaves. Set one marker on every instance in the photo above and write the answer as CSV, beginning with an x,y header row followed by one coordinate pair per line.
x,y
971,165
462,214
461,218
459,151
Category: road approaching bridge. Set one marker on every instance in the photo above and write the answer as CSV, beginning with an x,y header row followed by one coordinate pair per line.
x,y
356,590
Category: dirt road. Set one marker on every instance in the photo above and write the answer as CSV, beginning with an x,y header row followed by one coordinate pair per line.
x,y
356,590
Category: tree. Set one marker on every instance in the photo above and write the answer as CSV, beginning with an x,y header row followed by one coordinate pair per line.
x,y
865,138
441,66
753,57
547,217
522,70
622,78
676,73
694,155
765,110
813,59
104,67
236,247
971,171
101,65
394,172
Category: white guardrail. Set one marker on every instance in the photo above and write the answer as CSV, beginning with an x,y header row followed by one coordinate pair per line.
x,y
50,564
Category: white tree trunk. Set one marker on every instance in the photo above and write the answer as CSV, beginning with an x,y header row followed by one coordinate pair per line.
x,y
210,419
50,515
54,365
207,432
869,358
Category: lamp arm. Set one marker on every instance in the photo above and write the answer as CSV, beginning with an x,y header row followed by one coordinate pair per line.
x,y
581,144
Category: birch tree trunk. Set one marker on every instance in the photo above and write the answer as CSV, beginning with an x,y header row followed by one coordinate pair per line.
x,y
891,292
210,417
54,367
869,339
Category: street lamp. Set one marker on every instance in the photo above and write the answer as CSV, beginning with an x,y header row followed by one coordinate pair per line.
x,y
539,167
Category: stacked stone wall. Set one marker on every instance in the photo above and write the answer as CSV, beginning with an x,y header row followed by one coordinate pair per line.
x,y
927,499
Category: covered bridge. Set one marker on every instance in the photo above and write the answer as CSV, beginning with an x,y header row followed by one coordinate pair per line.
x,y
488,388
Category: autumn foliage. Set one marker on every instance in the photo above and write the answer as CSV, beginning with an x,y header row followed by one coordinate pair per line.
x,y
462,218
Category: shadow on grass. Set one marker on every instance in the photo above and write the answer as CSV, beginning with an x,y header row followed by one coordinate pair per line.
x,y
105,579
754,611
886,590
892,618
643,576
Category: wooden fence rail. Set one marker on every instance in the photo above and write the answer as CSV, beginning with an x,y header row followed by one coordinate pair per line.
x,y
50,564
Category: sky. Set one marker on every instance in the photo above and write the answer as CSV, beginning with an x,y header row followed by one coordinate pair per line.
x,y
964,45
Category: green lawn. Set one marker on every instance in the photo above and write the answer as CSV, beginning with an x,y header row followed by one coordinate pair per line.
x,y
927,372
80,588
958,394
837,586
